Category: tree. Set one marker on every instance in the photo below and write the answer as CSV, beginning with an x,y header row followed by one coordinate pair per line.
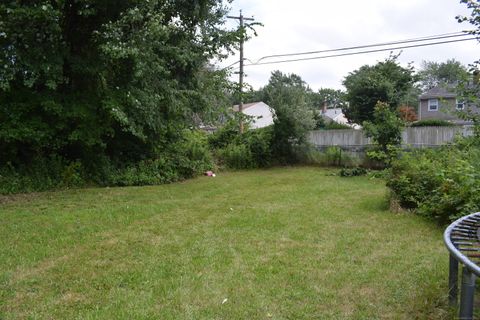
x,y
469,91
288,95
386,81
119,79
332,97
433,73
407,113
386,132
474,18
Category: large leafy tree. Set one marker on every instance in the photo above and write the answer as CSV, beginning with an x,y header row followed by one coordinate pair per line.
x,y
118,78
433,73
385,81
288,95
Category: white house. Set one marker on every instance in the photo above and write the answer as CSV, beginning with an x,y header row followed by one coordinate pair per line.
x,y
337,115
261,113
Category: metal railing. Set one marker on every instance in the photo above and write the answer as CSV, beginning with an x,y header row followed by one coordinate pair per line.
x,y
462,239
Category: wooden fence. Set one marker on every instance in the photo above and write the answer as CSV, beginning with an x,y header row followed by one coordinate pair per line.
x,y
417,137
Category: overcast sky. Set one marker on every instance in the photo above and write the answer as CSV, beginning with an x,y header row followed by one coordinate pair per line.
x,y
308,25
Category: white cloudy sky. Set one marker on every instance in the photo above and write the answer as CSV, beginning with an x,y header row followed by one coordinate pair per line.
x,y
308,25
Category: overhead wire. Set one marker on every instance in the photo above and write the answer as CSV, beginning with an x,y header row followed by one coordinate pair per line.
x,y
419,39
361,52
390,43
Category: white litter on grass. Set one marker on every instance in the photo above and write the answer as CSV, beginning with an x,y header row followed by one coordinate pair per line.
x,y
214,175
224,301
231,209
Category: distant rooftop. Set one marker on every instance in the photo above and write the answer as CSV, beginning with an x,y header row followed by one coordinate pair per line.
x,y
332,113
246,105
439,92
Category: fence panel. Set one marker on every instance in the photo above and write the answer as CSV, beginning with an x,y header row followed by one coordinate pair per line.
x,y
413,136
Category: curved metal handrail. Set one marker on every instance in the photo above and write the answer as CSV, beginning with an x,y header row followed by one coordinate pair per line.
x,y
457,226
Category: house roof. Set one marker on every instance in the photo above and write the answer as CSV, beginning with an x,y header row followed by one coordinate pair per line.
x,y
333,113
246,105
439,92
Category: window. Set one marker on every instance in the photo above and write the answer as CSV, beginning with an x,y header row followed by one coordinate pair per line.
x,y
432,104
460,105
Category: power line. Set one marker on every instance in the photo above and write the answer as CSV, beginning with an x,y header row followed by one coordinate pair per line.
x,y
420,39
361,52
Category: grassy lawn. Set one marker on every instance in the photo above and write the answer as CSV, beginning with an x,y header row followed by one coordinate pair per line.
x,y
294,243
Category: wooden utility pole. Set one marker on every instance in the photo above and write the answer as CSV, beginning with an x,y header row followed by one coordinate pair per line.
x,y
241,18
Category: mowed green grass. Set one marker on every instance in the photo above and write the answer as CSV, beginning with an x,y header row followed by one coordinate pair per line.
x,y
286,243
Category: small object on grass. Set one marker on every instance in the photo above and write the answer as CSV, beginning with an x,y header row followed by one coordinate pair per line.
x,y
224,301
209,173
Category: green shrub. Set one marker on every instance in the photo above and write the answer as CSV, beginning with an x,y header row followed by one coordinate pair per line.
x,y
259,142
336,126
188,157
442,184
224,135
43,174
332,156
252,149
191,154
432,123
353,172
147,172
413,177
237,156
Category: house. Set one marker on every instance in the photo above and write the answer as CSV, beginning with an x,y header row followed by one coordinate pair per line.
x,y
336,115
441,103
260,113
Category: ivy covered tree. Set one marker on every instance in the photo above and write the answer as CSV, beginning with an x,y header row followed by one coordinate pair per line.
x,y
116,79
385,81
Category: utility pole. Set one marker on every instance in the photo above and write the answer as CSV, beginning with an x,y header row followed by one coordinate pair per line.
x,y
241,18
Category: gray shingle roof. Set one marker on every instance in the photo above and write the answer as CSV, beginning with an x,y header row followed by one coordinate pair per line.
x,y
439,92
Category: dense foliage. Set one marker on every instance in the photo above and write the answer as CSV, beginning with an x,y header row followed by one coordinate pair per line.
x,y
385,81
333,98
432,123
442,184
386,132
434,73
98,85
407,113
288,95
251,149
